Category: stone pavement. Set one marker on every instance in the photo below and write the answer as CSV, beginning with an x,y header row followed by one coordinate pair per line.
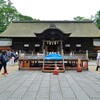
x,y
10,69
92,66
36,85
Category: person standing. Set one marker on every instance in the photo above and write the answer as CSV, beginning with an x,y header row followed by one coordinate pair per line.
x,y
98,60
11,61
0,63
4,60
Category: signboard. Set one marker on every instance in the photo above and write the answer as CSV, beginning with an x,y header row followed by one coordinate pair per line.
x,y
5,42
26,45
67,45
78,45
37,45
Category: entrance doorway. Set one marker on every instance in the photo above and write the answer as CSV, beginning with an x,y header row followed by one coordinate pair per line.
x,y
52,48
52,39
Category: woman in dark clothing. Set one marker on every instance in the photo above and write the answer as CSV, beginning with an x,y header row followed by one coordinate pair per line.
x,y
0,64
4,60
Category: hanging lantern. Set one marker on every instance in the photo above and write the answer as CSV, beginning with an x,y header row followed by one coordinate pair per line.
x,y
49,42
55,42
52,43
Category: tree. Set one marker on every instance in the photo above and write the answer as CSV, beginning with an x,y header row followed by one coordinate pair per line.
x,y
2,3
21,17
9,13
79,18
97,19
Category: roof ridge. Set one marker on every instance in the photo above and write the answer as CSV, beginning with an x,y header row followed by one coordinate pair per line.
x,y
53,21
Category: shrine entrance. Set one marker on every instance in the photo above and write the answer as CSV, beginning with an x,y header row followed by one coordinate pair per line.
x,y
52,46
52,39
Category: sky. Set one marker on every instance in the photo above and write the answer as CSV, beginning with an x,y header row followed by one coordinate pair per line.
x,y
57,9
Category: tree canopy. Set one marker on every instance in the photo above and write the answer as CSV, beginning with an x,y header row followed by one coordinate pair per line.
x,y
79,18
9,13
97,19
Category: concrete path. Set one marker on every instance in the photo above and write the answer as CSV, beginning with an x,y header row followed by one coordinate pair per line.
x,y
36,85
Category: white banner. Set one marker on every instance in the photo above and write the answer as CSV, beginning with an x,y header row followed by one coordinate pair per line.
x,y
5,42
96,42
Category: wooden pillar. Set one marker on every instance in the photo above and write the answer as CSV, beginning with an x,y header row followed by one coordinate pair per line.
x,y
43,59
87,54
61,45
46,48
19,53
43,44
62,52
32,53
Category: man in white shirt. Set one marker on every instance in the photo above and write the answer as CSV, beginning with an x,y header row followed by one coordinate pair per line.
x,y
98,60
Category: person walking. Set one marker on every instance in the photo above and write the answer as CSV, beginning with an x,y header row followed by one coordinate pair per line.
x,y
98,60
0,64
11,61
4,60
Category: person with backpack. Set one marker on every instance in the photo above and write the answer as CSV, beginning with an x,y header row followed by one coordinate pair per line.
x,y
4,60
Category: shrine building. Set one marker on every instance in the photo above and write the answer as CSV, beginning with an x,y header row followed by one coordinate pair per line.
x,y
53,36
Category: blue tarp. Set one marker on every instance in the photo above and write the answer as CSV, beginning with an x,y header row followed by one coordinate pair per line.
x,y
53,56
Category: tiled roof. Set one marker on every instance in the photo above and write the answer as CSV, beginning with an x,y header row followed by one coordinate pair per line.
x,y
28,29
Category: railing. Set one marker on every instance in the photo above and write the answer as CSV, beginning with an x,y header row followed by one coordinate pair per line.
x,y
92,55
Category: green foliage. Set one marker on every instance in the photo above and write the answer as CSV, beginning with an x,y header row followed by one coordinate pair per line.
x,y
98,23
79,18
97,19
21,17
8,13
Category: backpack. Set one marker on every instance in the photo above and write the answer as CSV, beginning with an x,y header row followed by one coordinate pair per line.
x,y
4,58
0,58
